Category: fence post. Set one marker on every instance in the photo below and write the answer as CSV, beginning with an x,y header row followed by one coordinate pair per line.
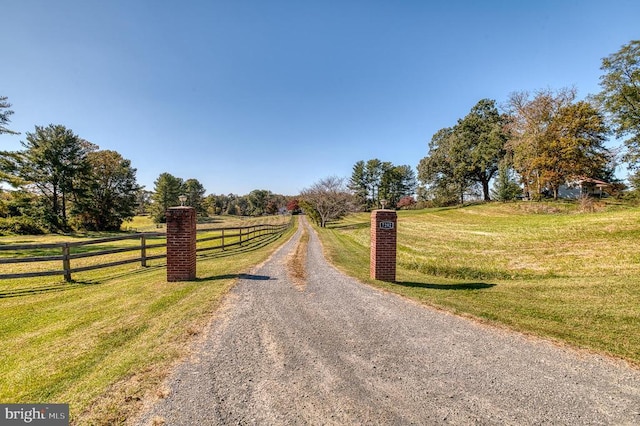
x,y
143,251
66,262
241,237
222,239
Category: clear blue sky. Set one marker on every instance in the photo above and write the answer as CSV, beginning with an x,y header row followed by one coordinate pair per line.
x,y
275,95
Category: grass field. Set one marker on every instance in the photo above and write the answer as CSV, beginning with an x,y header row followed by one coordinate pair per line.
x,y
547,270
145,223
108,339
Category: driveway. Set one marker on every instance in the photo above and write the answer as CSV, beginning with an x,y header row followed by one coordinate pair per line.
x,y
326,349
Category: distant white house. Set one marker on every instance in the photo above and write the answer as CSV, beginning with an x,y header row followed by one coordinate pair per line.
x,y
583,186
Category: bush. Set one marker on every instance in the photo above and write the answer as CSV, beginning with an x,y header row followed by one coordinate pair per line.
x,y
406,202
20,225
589,205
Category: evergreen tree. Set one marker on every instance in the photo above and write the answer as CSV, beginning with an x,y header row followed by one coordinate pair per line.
x,y
167,191
376,180
505,188
194,191
359,183
53,164
5,112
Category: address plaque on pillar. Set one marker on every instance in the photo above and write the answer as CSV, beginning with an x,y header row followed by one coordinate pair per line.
x,y
386,224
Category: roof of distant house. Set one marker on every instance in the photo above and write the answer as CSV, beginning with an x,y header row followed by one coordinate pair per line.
x,y
581,180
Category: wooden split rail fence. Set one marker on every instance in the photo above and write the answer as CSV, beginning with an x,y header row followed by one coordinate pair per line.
x,y
227,237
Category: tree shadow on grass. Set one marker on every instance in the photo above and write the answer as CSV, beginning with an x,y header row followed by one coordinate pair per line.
x,y
462,286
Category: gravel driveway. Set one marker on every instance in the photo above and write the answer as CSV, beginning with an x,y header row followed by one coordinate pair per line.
x,y
335,351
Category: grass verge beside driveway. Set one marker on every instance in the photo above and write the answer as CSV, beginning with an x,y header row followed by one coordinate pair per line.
x,y
568,276
103,343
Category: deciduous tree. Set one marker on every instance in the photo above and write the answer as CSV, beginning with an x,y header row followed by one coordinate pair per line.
x,y
482,137
620,96
111,192
466,154
258,200
553,139
328,199
574,146
293,205
445,178
530,119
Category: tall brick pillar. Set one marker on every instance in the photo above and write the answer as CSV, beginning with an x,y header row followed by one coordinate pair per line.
x,y
181,244
383,245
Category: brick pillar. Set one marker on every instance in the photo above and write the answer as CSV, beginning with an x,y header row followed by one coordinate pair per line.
x,y
383,245
181,244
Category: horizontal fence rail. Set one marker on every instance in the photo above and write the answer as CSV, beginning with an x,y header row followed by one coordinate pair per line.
x,y
212,239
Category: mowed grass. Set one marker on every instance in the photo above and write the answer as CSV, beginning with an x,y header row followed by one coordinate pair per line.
x,y
107,340
547,270
145,223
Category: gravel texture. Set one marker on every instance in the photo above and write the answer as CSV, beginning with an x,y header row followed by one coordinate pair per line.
x,y
339,352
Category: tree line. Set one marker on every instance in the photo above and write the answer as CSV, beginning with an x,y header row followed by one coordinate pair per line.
x,y
65,183
373,184
168,189
539,141
530,147
544,140
374,180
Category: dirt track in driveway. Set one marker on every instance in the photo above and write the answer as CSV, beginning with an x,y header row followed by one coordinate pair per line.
x,y
335,351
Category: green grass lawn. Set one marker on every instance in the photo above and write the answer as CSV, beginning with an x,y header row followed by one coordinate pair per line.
x,y
145,223
551,271
108,339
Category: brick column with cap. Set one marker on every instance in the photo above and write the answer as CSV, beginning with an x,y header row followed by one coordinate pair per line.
x,y
181,244
383,245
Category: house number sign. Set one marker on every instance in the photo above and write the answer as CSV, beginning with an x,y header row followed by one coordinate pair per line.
x,y
386,224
